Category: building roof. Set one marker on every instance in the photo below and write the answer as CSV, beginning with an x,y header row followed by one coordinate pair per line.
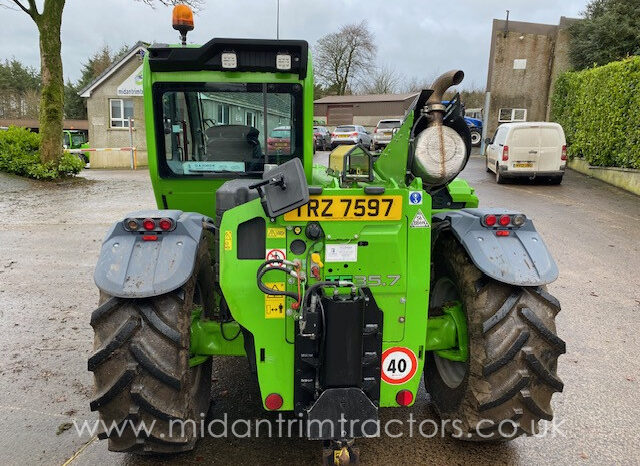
x,y
35,124
115,66
349,99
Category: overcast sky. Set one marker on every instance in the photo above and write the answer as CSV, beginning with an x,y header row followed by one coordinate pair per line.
x,y
418,38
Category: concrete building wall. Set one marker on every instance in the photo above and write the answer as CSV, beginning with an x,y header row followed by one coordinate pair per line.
x,y
102,135
512,82
561,61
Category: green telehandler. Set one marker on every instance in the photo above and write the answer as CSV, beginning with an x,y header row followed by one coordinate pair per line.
x,y
343,285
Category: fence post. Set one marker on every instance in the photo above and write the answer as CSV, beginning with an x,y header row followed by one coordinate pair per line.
x,y
131,143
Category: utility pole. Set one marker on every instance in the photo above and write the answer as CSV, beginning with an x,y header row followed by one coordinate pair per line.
x,y
278,21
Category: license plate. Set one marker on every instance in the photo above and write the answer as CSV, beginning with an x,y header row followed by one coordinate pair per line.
x,y
523,165
281,144
328,208
343,135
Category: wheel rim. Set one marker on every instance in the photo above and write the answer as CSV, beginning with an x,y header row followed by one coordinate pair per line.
x,y
475,138
452,373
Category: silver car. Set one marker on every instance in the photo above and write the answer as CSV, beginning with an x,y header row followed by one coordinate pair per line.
x,y
384,132
350,134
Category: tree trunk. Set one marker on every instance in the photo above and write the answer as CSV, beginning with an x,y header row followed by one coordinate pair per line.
x,y
52,100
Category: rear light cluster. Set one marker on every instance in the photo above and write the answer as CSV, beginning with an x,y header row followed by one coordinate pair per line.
x,y
505,153
503,221
354,134
563,156
149,224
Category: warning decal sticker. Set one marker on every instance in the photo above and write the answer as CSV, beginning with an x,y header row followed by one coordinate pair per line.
x,y
228,240
276,254
399,365
420,221
274,305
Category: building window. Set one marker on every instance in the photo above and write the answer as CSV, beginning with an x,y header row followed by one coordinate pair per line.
x,y
223,114
506,115
251,119
121,110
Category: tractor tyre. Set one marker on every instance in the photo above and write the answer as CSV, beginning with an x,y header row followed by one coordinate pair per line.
x,y
505,386
476,138
143,382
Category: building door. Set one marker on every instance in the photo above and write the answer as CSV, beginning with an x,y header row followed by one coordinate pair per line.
x,y
339,115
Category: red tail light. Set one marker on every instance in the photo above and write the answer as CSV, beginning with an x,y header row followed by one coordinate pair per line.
x,y
564,153
505,153
333,135
375,130
490,220
165,224
404,397
149,237
149,224
273,402
354,134
505,220
502,233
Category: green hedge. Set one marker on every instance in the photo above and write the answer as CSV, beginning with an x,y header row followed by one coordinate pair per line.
x,y
599,109
19,154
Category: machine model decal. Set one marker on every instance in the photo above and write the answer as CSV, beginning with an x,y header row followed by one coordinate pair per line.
x,y
376,280
399,365
341,208
274,305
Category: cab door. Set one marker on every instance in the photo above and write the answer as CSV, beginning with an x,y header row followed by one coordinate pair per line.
x,y
550,151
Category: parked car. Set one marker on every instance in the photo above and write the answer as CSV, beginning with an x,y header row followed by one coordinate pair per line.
x,y
384,132
279,141
528,149
350,134
321,138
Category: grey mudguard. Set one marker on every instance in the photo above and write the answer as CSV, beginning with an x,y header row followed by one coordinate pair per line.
x,y
130,267
521,258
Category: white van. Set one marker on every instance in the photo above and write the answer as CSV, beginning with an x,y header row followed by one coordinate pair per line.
x,y
528,149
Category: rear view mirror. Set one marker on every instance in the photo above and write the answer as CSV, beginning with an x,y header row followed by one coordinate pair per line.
x,y
283,188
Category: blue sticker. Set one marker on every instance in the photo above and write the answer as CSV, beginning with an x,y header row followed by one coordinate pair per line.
x,y
415,198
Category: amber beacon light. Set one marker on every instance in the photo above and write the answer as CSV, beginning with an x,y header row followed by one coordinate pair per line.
x,y
183,21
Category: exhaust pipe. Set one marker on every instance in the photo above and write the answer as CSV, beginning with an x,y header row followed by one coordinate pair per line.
x,y
440,152
434,107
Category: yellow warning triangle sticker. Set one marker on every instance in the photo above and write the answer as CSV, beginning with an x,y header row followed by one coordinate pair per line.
x,y
420,221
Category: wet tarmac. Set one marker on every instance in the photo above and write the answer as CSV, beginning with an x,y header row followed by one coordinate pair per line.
x,y
50,238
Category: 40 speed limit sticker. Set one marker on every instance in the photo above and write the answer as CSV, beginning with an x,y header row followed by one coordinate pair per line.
x,y
399,364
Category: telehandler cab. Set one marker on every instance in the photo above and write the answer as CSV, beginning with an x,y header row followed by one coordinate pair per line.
x,y
343,285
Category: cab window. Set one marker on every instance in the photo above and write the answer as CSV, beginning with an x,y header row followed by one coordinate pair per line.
x,y
233,128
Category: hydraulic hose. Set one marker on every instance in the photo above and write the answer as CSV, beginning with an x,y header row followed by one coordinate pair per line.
x,y
262,270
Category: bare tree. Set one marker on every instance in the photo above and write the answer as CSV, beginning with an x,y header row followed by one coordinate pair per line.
x,y
48,21
344,56
384,80
415,84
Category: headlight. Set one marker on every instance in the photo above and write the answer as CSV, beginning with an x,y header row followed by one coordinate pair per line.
x,y
440,154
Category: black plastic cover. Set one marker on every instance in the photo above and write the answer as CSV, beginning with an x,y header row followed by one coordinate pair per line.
x,y
258,55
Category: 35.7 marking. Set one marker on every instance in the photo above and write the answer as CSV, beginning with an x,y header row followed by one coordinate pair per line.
x,y
375,280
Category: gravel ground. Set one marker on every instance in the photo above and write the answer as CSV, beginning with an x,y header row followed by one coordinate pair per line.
x,y
49,242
